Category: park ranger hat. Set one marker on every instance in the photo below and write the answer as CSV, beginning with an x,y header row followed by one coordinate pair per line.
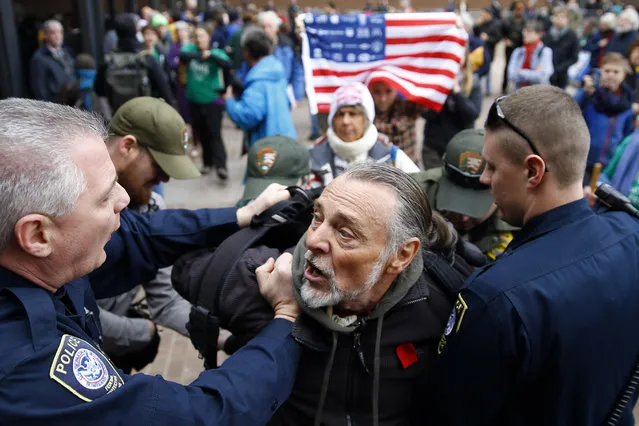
x,y
274,159
460,190
158,127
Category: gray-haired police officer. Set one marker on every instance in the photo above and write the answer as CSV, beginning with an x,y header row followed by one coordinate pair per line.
x,y
61,204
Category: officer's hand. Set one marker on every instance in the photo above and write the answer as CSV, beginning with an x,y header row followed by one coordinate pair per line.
x,y
275,279
273,194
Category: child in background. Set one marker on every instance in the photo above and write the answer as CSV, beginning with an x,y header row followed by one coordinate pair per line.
x,y
607,109
532,62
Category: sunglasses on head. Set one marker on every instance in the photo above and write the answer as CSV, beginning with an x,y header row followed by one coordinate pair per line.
x,y
496,112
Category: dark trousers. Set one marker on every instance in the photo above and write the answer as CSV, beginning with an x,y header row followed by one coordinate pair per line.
x,y
504,84
207,123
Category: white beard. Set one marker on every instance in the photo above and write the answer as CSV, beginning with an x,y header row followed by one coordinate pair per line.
x,y
315,298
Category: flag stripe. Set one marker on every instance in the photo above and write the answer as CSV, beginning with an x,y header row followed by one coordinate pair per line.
x,y
426,39
421,60
426,63
431,55
418,79
419,23
444,47
324,72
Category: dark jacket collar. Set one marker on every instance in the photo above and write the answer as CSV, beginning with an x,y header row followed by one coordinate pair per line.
x,y
549,221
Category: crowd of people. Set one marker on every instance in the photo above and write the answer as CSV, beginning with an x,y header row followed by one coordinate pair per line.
x,y
466,284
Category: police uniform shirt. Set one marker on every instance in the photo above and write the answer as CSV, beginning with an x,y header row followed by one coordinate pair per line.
x,y
547,334
53,371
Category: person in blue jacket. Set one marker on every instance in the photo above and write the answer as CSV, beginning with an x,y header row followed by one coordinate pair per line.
x,y
479,54
544,335
65,239
607,109
598,42
263,109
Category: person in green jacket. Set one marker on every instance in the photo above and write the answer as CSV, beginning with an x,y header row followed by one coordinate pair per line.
x,y
205,83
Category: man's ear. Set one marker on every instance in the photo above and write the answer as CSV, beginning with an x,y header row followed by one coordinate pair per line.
x,y
35,234
536,170
404,256
128,146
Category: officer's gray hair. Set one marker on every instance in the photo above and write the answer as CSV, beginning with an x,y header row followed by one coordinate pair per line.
x,y
37,172
412,216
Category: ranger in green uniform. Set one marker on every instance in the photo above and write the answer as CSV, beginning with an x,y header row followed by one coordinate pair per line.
x,y
454,190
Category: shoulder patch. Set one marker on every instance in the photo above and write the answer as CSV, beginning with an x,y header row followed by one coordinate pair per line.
x,y
500,246
83,370
454,321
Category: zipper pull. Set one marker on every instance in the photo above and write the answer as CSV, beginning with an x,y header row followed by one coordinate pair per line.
x,y
357,345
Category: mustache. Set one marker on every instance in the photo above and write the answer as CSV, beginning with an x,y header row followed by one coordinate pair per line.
x,y
323,265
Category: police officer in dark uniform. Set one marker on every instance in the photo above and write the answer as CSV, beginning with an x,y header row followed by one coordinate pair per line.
x,y
61,204
455,191
546,334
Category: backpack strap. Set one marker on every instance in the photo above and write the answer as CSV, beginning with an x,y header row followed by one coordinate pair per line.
x,y
449,279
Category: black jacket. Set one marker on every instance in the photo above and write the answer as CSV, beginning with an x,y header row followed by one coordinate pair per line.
x,y
158,80
410,336
50,76
512,30
493,30
458,113
565,52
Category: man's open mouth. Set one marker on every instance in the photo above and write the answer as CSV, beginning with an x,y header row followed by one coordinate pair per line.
x,y
314,271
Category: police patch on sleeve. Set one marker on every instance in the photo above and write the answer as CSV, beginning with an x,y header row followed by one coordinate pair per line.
x,y
83,370
454,321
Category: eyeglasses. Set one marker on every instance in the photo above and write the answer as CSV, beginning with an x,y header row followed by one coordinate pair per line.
x,y
462,178
496,110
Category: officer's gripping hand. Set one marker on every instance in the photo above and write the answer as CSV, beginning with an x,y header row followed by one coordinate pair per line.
x,y
275,279
274,193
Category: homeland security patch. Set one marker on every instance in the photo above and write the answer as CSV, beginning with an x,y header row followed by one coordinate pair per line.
x,y
83,370
454,321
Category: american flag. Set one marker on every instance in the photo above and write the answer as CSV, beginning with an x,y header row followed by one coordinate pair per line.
x,y
416,53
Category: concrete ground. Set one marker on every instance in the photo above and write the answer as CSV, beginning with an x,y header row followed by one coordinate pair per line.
x,y
177,360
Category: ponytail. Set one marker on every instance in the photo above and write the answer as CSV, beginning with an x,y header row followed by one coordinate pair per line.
x,y
441,234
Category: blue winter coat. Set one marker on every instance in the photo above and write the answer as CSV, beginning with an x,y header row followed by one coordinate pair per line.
x,y
264,108
474,43
621,42
592,46
606,132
